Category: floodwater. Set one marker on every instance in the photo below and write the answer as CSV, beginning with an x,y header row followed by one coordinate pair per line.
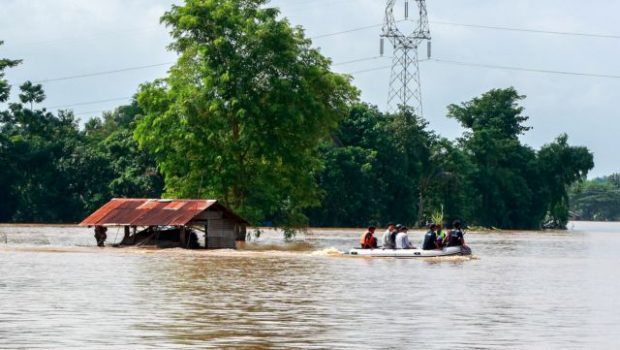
x,y
521,290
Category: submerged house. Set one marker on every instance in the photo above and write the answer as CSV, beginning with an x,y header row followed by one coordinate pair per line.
x,y
169,223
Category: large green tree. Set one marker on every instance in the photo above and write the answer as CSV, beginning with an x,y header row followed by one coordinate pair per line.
x,y
502,165
517,186
560,166
242,112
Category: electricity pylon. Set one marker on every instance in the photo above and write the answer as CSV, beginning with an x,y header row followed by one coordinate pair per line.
x,y
405,88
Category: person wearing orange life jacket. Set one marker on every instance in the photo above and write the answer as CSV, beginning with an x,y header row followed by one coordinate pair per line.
x,y
368,240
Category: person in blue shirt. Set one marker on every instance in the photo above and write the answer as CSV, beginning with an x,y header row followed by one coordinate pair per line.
x,y
430,239
455,236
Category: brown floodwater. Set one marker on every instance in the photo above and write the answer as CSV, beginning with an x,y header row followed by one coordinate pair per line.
x,y
520,290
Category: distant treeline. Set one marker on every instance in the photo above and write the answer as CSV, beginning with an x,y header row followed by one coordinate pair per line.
x,y
251,114
53,171
597,199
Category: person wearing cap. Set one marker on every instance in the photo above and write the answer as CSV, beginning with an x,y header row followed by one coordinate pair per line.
x,y
430,238
455,236
386,240
368,240
402,239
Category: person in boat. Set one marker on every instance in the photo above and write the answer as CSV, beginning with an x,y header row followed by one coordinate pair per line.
x,y
430,238
387,240
455,236
395,233
402,239
442,237
368,240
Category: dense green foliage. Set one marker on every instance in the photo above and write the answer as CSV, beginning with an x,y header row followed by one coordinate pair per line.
x,y
391,167
388,167
597,199
242,112
54,172
517,186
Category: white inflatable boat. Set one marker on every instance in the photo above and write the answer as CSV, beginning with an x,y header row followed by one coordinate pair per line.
x,y
410,253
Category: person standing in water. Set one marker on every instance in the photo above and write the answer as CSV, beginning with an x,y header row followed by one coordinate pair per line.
x,y
100,235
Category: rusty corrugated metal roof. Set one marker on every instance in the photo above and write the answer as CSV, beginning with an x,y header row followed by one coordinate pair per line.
x,y
152,212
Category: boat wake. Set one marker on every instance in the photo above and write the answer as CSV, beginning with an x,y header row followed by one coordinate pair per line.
x,y
451,259
331,251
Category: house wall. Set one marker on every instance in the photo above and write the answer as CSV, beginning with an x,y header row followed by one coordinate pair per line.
x,y
221,234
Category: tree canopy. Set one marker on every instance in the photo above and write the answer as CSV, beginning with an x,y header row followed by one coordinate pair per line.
x,y
390,167
241,114
517,186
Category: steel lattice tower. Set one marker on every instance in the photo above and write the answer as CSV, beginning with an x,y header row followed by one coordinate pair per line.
x,y
405,89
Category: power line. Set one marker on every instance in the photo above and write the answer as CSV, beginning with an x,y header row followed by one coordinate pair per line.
x,y
436,60
441,61
523,69
129,97
91,102
86,75
528,30
370,70
90,112
346,31
494,66
71,77
352,30
359,60
121,70
378,68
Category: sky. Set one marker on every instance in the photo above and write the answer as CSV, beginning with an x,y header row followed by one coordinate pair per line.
x,y
92,55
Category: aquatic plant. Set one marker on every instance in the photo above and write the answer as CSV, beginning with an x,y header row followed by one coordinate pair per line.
x,y
437,216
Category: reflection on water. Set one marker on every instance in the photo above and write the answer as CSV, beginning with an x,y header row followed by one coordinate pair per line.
x,y
552,290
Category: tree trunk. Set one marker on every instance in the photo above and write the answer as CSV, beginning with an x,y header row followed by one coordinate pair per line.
x,y
421,209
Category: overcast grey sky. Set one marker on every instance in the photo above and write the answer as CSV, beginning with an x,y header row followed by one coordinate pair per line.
x,y
65,38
